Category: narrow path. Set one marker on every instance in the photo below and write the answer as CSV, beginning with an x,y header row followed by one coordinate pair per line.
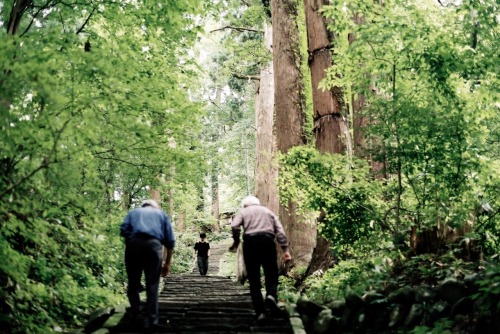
x,y
217,252
191,303
212,304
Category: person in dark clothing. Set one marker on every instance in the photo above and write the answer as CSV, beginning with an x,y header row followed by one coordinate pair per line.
x,y
149,244
202,252
261,228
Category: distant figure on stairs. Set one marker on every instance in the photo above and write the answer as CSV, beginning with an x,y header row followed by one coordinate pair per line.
x,y
202,253
261,228
146,231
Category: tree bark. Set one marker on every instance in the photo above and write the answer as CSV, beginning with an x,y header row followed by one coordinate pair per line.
x,y
215,194
290,112
331,127
364,147
16,13
180,222
266,171
155,194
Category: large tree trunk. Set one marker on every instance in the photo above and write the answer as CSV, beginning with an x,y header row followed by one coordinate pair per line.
x,y
215,195
16,13
290,112
17,10
364,147
367,147
214,176
155,194
266,171
330,115
180,222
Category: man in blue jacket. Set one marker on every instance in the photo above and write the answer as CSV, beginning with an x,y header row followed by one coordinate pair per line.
x,y
147,230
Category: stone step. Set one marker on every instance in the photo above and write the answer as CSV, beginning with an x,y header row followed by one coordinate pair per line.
x,y
212,304
244,304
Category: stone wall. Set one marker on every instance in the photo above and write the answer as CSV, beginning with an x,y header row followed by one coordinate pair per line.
x,y
402,309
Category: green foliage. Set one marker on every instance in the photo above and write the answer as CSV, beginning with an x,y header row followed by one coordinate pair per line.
x,y
94,113
337,186
430,269
243,50
287,291
351,275
444,326
426,74
334,282
57,272
489,289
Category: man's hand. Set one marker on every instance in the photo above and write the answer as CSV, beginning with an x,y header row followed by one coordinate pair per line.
x,y
165,269
167,261
286,257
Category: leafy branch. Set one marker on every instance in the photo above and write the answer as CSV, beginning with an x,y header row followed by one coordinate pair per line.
x,y
239,29
45,161
127,162
247,77
86,21
44,164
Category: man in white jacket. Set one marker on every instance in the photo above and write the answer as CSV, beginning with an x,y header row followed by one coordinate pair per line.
x,y
261,228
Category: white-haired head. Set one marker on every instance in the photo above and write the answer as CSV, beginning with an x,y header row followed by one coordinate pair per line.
x,y
250,200
150,202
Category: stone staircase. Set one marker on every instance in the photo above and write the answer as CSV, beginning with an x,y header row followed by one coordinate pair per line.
x,y
191,303
212,304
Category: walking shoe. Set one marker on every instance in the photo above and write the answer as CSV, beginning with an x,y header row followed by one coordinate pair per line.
x,y
133,316
157,328
272,307
261,319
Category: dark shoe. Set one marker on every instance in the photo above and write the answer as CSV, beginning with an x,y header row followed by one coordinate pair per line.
x,y
273,309
157,328
272,306
261,319
133,316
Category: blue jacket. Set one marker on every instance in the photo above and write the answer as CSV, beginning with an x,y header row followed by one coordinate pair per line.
x,y
149,221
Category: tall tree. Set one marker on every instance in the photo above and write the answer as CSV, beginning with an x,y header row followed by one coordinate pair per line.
x,y
364,145
289,110
265,167
244,73
331,125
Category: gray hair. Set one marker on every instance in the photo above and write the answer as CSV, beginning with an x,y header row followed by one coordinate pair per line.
x,y
250,200
150,202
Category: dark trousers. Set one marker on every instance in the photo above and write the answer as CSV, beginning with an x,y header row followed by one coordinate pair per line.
x,y
202,265
260,250
144,255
